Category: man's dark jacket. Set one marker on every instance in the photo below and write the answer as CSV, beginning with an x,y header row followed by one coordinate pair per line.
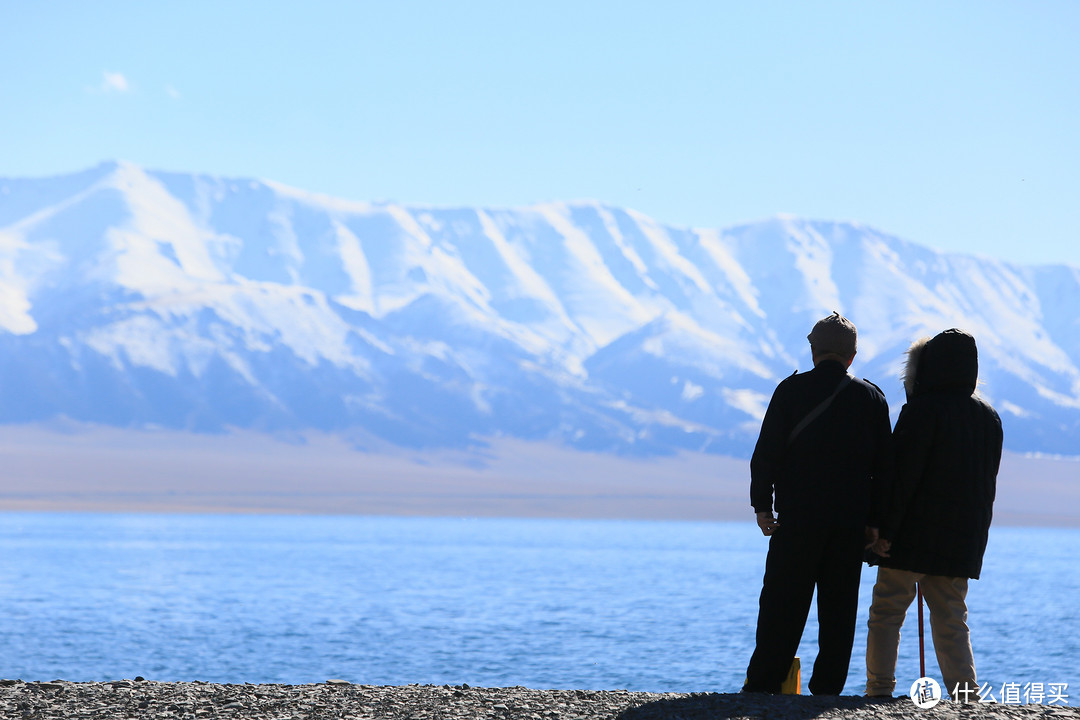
x,y
835,469
948,449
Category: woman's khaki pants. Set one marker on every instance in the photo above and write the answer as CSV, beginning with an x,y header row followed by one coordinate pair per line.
x,y
946,599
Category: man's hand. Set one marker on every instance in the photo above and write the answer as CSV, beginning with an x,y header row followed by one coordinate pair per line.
x,y
881,547
767,523
876,543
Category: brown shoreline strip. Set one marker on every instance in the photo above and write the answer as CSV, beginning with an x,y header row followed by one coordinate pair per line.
x,y
341,700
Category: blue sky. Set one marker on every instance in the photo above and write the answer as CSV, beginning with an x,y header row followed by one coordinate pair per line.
x,y
952,124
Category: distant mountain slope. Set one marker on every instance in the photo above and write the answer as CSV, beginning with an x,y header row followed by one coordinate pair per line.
x,y
137,298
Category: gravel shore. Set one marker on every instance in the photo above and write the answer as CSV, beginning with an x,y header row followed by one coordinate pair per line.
x,y
345,701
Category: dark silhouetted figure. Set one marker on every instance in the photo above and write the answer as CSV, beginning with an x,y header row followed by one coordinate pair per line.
x,y
824,454
937,520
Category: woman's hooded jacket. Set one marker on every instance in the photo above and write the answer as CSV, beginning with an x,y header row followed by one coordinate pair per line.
x,y
948,448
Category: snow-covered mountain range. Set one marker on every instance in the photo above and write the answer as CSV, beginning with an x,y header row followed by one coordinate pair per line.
x,y
136,298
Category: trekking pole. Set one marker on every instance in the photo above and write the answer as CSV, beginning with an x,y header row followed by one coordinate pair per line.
x,y
922,647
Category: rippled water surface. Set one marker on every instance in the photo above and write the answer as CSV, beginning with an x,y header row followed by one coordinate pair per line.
x,y
540,603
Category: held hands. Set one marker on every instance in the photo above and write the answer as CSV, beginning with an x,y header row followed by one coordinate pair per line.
x,y
767,523
877,544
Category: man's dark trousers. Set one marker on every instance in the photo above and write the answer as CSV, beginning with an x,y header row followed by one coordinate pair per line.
x,y
802,556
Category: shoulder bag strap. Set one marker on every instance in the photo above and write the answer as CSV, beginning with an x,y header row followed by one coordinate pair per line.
x,y
821,407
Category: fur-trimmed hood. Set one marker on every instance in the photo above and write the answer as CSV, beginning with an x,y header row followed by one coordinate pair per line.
x,y
949,360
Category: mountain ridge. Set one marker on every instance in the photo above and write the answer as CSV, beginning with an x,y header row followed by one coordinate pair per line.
x,y
134,298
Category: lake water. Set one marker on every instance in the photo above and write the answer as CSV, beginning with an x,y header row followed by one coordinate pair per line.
x,y
659,606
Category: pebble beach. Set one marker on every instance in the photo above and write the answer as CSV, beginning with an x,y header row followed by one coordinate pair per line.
x,y
342,700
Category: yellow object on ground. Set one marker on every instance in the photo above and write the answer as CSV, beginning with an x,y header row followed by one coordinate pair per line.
x,y
793,684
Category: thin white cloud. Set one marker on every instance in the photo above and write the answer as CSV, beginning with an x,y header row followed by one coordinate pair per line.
x,y
172,92
114,82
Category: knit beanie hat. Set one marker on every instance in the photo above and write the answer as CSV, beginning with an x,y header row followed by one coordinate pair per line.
x,y
834,334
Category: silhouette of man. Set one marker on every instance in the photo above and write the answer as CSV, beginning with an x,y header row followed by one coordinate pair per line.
x,y
824,455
